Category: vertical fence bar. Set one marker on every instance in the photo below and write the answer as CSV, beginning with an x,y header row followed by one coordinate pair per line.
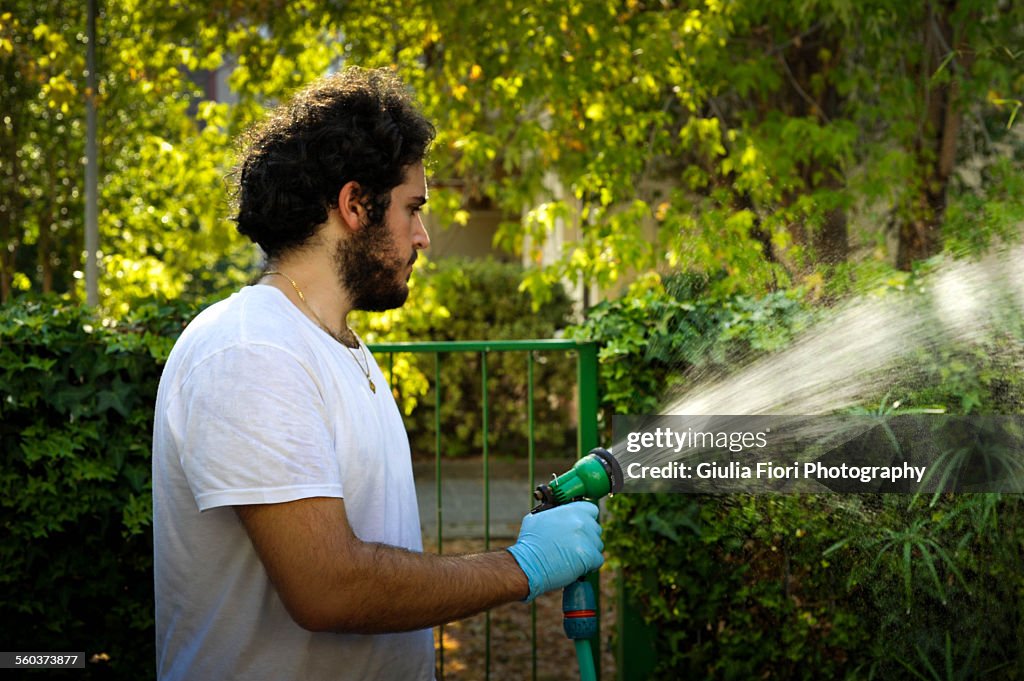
x,y
485,426
531,454
586,382
438,505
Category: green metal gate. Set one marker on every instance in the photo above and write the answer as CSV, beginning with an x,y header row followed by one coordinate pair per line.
x,y
587,434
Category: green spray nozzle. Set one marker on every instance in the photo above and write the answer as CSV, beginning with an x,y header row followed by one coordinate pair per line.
x,y
592,477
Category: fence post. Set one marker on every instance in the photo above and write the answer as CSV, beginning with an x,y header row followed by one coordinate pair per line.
x,y
634,645
586,381
634,651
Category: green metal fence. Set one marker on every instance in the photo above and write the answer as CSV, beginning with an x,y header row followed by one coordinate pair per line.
x,y
587,433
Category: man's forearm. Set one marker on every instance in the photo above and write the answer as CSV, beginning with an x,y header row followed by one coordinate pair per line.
x,y
397,590
330,580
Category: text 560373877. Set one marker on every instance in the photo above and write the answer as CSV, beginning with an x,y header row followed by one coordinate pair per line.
x,y
32,660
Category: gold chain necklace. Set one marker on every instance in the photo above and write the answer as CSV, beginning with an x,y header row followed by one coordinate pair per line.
x,y
365,369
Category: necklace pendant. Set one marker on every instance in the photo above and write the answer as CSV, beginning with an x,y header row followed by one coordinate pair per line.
x,y
373,388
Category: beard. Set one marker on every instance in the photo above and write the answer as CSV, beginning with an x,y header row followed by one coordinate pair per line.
x,y
370,267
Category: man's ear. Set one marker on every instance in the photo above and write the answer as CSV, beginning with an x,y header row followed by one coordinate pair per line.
x,y
350,206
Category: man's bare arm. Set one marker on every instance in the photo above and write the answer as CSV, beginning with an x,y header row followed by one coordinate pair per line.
x,y
330,580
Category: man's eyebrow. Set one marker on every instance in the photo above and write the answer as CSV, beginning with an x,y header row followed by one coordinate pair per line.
x,y
417,200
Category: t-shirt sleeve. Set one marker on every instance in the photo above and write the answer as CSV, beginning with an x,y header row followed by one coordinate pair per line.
x,y
255,430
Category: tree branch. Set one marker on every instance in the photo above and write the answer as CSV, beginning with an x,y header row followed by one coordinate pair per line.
x,y
803,94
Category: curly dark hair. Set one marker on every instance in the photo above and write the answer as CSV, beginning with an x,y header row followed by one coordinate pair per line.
x,y
359,125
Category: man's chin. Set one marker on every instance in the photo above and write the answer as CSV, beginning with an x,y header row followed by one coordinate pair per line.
x,y
384,303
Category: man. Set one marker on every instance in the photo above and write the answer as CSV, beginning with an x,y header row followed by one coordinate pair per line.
x,y
286,533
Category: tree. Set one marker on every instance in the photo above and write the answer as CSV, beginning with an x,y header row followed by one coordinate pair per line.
x,y
746,141
39,143
762,124
165,148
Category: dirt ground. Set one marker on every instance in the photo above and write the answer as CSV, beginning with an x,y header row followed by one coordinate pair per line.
x,y
464,656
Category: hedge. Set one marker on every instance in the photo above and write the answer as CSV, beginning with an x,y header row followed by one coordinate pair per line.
x,y
811,586
76,411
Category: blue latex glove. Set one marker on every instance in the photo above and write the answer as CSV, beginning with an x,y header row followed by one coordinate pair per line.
x,y
557,546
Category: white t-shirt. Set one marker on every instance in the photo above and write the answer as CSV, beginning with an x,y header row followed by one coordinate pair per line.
x,y
258,405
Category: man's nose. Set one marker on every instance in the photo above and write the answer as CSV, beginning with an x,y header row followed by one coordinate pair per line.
x,y
420,237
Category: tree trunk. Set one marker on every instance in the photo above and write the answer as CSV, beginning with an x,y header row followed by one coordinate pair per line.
x,y
831,241
45,242
936,145
8,225
804,64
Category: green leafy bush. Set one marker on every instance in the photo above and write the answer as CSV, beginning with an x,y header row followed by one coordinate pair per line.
x,y
983,377
652,338
76,409
810,587
825,586
735,586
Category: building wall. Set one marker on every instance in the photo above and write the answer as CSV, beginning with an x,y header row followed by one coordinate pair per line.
x,y
475,239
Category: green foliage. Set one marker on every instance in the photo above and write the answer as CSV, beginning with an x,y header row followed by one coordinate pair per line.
x,y
469,299
717,137
736,586
812,586
652,338
76,402
984,377
731,140
968,366
735,139
989,213
825,586
162,155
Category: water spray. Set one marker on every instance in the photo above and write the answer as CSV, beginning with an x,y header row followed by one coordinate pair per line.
x,y
590,478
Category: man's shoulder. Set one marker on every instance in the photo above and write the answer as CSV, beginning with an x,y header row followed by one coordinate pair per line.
x,y
252,314
254,317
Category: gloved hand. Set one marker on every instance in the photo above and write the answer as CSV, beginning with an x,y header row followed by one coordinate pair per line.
x,y
558,546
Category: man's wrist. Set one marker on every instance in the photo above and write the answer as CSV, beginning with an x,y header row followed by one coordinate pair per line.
x,y
521,583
